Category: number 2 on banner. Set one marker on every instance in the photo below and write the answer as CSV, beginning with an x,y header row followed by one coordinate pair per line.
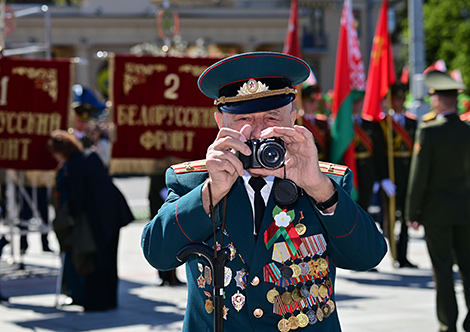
x,y
4,90
172,81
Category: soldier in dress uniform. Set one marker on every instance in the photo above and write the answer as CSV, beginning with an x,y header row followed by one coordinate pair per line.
x,y
315,121
369,151
439,194
287,228
404,125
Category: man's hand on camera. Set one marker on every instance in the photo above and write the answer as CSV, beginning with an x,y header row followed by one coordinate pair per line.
x,y
301,162
223,165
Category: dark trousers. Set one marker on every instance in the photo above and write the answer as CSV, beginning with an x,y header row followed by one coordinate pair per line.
x,y
449,244
26,213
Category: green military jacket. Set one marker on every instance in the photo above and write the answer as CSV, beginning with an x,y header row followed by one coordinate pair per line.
x,y
439,184
255,277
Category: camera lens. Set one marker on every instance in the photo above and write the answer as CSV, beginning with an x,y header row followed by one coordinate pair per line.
x,y
271,155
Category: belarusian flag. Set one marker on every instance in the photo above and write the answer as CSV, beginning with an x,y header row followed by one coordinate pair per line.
x,y
349,82
381,69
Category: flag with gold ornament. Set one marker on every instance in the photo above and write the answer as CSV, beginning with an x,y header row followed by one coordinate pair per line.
x,y
161,117
34,101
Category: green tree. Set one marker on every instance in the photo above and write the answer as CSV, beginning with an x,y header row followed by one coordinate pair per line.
x,y
447,34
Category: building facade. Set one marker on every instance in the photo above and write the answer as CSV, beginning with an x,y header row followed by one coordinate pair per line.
x,y
87,30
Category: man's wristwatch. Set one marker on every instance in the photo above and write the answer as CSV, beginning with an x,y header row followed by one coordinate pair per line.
x,y
322,206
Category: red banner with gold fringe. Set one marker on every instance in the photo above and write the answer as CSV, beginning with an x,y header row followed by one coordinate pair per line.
x,y
159,112
34,101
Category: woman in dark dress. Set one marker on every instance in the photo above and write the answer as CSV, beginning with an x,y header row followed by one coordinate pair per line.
x,y
98,210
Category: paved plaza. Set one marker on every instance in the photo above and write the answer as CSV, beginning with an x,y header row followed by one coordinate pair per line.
x,y
384,301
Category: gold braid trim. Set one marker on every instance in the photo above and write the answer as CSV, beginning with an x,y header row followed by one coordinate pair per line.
x,y
224,100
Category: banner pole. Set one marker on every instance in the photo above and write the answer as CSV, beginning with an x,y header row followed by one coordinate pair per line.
x,y
391,176
2,26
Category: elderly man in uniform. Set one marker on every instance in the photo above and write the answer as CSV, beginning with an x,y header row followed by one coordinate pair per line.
x,y
439,194
288,225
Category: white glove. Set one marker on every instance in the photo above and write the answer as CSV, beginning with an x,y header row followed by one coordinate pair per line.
x,y
389,188
376,187
164,193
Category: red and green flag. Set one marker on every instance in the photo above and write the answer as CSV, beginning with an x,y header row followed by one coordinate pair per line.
x,y
349,85
381,69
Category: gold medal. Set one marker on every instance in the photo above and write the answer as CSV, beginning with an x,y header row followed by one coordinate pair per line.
x,y
296,295
323,291
300,228
314,290
322,264
296,270
271,296
287,298
327,282
303,319
283,325
209,306
313,267
294,322
326,310
319,314
331,304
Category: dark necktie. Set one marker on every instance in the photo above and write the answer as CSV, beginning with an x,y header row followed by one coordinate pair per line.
x,y
257,183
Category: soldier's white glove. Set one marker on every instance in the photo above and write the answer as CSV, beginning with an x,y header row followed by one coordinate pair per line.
x,y
389,188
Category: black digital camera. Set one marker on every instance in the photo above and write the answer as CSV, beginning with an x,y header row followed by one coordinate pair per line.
x,y
266,153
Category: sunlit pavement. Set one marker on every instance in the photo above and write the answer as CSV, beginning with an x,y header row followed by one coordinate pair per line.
x,y
388,300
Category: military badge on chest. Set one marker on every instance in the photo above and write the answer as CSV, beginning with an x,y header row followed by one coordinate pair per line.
x,y
300,270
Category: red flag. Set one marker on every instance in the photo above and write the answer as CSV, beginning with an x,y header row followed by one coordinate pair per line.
x,y
381,69
439,65
291,44
405,75
349,80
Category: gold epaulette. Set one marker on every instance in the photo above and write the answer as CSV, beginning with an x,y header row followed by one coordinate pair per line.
x,y
411,116
331,168
190,166
321,117
428,116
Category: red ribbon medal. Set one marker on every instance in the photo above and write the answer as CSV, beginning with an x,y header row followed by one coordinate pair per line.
x,y
282,226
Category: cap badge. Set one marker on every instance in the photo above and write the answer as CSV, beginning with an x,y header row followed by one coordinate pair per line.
x,y
252,86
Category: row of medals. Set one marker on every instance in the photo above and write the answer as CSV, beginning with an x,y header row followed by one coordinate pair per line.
x,y
314,267
318,290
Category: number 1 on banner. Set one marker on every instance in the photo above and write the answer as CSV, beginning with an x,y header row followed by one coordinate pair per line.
x,y
4,90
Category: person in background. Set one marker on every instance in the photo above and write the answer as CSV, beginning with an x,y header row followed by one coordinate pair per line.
x,y
315,121
158,192
369,152
97,131
439,194
37,185
404,125
99,210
